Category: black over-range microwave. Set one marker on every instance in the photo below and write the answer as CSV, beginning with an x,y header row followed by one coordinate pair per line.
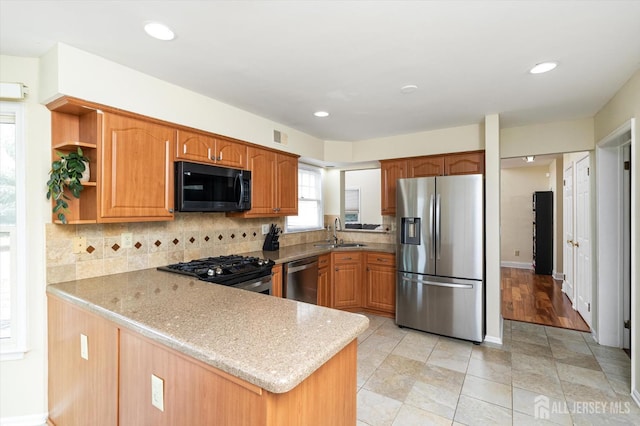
x,y
208,188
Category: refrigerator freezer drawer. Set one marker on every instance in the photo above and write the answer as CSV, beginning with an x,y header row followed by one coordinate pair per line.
x,y
451,307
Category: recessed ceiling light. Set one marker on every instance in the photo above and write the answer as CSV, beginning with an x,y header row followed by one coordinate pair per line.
x,y
409,88
159,31
321,114
543,67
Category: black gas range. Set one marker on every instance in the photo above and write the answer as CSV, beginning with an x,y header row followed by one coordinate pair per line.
x,y
244,272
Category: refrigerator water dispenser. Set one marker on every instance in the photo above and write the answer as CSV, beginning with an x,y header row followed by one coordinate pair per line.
x,y
410,230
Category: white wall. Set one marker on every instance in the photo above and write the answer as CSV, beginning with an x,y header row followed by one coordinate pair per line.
x,y
70,71
23,383
369,183
516,213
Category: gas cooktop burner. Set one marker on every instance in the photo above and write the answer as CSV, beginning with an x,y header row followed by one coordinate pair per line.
x,y
226,270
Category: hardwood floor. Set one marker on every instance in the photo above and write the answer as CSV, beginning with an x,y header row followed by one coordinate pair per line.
x,y
537,299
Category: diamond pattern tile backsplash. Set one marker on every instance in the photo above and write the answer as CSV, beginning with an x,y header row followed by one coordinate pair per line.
x,y
189,236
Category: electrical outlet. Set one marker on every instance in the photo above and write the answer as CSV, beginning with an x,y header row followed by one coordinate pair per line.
x,y
517,252
265,229
157,392
79,243
126,240
84,347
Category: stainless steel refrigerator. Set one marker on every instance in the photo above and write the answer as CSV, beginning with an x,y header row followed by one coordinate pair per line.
x,y
440,255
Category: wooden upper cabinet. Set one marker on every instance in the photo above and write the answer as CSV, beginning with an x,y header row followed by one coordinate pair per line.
x,y
137,179
287,185
390,172
204,148
262,164
426,166
465,163
274,184
462,163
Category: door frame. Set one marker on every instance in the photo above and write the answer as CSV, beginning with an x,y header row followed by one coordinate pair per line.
x,y
609,233
568,255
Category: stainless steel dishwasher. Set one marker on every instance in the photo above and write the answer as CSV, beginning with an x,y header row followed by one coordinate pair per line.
x,y
301,280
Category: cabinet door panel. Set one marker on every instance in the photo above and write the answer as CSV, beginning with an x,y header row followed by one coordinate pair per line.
x,y
137,176
195,146
381,288
262,164
346,283
464,164
231,154
426,166
390,172
323,287
287,189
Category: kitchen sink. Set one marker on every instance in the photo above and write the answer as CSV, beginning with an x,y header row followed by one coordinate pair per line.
x,y
339,245
350,245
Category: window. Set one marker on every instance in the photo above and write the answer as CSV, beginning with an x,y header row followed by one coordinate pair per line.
x,y
352,205
12,213
310,211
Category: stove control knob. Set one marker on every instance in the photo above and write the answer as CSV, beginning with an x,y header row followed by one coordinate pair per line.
x,y
261,262
218,271
211,272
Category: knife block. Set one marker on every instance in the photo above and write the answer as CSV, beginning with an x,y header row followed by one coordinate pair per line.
x,y
271,242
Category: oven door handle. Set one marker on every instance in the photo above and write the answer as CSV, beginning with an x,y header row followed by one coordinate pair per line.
x,y
259,286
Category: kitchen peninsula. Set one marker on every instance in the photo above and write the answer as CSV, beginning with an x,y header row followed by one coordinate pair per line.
x,y
148,347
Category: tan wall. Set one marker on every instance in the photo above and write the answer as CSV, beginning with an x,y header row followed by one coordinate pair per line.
x,y
625,105
547,138
516,212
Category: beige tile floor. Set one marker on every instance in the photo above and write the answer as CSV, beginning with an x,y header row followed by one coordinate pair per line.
x,y
406,378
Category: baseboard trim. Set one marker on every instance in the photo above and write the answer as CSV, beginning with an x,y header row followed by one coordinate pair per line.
x,y
558,276
517,265
493,339
30,420
636,396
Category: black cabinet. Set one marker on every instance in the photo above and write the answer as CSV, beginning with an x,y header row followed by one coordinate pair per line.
x,y
543,232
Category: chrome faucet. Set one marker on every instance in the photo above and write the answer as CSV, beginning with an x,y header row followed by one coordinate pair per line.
x,y
336,224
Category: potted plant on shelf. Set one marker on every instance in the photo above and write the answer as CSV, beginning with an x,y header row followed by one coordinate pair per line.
x,y
69,171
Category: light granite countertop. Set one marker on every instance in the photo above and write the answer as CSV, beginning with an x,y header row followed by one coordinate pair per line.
x,y
300,251
270,342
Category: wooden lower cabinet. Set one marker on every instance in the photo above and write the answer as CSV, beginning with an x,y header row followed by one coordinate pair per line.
x,y
197,394
380,283
276,281
81,391
114,385
324,281
346,280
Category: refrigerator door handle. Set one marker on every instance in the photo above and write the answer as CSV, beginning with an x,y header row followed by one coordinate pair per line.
x,y
432,241
450,285
438,233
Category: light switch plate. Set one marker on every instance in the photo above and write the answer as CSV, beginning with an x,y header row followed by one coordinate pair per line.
x,y
157,392
84,347
265,229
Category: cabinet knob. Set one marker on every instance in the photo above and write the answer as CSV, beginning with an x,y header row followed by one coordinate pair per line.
x,y
170,210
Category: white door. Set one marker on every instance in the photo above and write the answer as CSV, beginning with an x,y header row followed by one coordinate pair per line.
x,y
583,239
567,226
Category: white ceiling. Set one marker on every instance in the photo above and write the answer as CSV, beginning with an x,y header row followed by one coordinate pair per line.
x,y
284,60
